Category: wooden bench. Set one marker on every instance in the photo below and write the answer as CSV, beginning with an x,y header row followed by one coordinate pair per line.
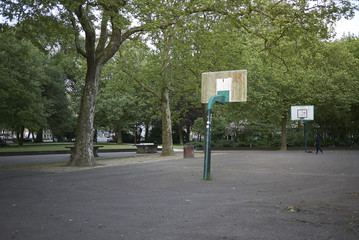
x,y
146,148
95,150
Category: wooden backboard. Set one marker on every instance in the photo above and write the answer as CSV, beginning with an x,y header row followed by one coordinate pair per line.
x,y
232,84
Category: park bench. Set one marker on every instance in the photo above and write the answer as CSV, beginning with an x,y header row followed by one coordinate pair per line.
x,y
146,148
95,150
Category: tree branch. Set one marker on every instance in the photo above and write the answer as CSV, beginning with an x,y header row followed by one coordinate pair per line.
x,y
188,67
275,4
144,86
180,91
79,49
261,12
89,29
103,35
117,38
281,59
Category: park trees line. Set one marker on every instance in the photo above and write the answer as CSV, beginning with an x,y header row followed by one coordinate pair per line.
x,y
276,41
32,88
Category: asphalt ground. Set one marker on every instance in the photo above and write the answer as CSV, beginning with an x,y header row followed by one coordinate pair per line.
x,y
252,195
6,161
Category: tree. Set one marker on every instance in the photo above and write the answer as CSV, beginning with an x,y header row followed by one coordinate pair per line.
x,y
59,116
186,110
113,20
336,88
198,128
158,83
23,72
40,95
116,109
304,71
79,16
219,130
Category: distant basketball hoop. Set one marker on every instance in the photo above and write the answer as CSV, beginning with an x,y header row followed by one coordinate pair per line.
x,y
302,114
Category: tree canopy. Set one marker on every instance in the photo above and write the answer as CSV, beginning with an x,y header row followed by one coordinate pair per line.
x,y
33,93
99,30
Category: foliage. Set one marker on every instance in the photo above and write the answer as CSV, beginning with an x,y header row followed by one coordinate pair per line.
x,y
115,110
336,88
60,118
32,88
23,72
319,73
275,40
219,127
198,127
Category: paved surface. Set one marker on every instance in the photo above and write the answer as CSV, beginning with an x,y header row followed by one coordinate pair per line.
x,y
6,161
253,195
16,160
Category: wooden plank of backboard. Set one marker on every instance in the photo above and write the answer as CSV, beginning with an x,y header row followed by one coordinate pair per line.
x,y
239,85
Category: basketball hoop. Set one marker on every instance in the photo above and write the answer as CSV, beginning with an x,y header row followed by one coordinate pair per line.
x,y
303,114
220,87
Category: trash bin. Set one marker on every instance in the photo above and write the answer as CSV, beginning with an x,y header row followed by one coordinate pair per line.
x,y
188,151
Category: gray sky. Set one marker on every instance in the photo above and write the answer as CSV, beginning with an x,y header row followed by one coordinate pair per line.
x,y
345,26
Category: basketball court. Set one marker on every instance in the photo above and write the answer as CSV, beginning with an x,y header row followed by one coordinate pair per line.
x,y
252,195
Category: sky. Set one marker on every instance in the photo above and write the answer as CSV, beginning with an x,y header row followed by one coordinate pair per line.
x,y
345,26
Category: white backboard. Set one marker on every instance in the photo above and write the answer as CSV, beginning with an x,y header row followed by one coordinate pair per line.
x,y
232,84
302,113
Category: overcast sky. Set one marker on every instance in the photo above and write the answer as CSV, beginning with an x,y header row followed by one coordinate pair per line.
x,y
344,26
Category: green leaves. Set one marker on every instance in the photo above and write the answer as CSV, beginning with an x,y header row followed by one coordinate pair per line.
x,y
32,87
22,65
114,107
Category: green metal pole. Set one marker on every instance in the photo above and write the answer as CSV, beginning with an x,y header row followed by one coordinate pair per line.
x,y
305,136
207,154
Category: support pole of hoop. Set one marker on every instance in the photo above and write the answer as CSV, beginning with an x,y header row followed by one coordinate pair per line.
x,y
207,154
304,122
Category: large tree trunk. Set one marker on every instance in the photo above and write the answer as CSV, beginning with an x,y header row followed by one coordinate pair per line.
x,y
119,133
39,137
180,134
97,51
284,133
167,143
20,136
146,132
82,155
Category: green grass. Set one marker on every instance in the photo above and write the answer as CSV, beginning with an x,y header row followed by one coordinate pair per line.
x,y
57,147
177,146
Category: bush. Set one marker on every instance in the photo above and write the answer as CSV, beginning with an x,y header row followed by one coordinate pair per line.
x,y
225,143
196,144
219,144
